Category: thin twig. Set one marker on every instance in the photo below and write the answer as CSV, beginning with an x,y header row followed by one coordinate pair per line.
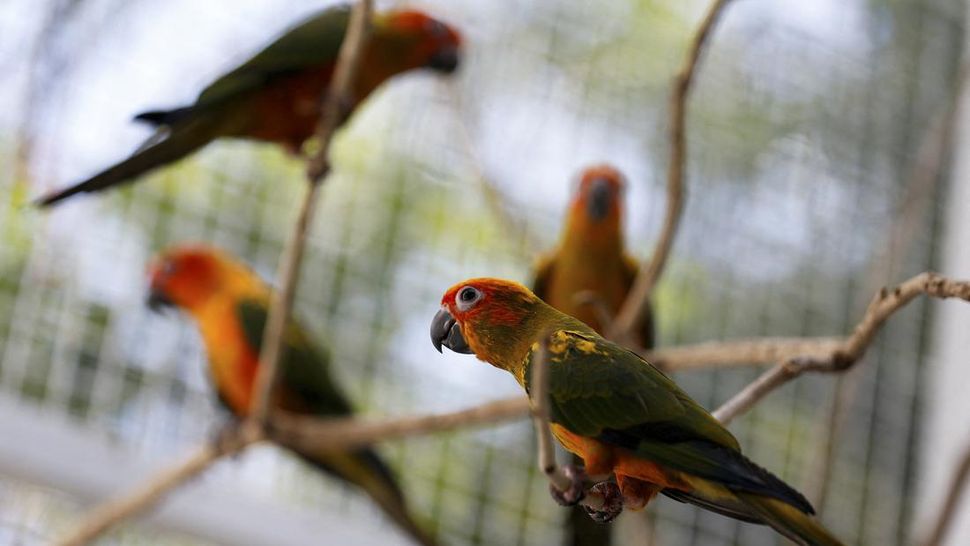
x,y
539,385
637,303
334,108
109,514
541,415
958,485
315,434
845,354
742,352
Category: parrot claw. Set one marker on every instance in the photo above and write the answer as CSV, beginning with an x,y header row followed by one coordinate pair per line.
x,y
577,489
612,502
222,437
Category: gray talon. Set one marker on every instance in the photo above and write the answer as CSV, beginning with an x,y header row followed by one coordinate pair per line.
x,y
612,502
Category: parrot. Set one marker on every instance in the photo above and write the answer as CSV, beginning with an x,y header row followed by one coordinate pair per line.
x,y
230,304
590,256
625,418
275,95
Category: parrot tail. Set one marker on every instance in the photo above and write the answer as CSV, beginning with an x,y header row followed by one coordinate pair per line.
x,y
366,470
786,519
180,142
789,521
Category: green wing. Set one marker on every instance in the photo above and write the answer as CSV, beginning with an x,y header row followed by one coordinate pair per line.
x,y
601,390
314,42
305,374
596,386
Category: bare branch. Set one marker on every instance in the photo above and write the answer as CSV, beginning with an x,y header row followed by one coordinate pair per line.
x,y
958,486
109,514
637,303
846,353
743,352
540,418
315,434
539,387
335,105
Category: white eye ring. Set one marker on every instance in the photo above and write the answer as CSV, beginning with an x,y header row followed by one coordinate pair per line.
x,y
467,297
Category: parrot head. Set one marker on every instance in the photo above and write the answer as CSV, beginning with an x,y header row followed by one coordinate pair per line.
x,y
423,40
600,196
496,320
188,276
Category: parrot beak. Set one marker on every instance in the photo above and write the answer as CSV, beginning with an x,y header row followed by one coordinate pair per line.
x,y
599,199
446,331
445,60
158,301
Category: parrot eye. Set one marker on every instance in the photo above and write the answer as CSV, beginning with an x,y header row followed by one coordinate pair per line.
x,y
467,297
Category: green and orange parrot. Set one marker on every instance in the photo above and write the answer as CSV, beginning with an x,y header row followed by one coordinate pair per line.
x,y
275,96
591,257
625,418
229,304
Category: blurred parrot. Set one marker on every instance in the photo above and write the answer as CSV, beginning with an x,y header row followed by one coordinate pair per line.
x,y
229,304
590,257
275,95
624,417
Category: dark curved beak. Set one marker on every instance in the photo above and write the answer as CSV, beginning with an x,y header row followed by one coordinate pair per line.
x,y
599,199
446,331
445,60
158,301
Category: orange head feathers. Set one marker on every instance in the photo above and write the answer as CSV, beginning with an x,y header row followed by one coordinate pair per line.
x,y
494,319
598,204
189,276
426,41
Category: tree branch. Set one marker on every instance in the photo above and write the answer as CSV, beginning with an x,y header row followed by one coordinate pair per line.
x,y
958,486
335,106
847,352
539,387
315,434
637,303
109,514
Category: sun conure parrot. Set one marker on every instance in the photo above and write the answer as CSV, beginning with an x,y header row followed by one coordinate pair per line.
x,y
229,304
590,256
624,417
275,95
591,259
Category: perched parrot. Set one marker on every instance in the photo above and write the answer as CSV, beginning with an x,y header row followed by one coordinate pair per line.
x,y
275,96
624,417
590,257
229,304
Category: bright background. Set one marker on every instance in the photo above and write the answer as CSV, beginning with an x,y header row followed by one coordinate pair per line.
x,y
804,131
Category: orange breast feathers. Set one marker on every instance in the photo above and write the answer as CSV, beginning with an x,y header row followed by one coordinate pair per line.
x,y
233,362
639,479
286,112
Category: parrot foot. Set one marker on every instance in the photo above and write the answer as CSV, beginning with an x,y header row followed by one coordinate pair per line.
x,y
225,435
576,490
612,502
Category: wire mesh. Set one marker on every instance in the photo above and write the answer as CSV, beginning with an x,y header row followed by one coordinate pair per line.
x,y
802,132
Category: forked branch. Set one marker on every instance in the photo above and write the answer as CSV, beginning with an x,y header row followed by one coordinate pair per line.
x,y
843,355
637,303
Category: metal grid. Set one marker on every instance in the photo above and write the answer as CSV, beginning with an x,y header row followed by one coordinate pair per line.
x,y
803,127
